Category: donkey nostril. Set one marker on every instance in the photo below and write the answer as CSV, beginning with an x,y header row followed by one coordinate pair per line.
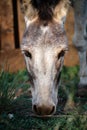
x,y
35,108
53,110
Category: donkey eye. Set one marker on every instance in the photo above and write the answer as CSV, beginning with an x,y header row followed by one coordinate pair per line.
x,y
61,54
28,54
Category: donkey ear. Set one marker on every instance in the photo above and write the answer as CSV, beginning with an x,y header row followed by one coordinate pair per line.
x,y
28,11
60,11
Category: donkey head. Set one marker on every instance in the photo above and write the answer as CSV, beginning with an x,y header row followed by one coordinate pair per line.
x,y
44,45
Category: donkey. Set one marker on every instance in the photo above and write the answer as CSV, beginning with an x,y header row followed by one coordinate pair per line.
x,y
80,37
44,46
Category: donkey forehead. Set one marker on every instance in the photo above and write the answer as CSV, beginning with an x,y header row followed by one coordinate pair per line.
x,y
38,35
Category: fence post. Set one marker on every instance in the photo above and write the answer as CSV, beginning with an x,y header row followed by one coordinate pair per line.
x,y
16,27
0,36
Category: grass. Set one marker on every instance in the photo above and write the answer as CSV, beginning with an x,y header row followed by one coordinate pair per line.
x,y
16,114
9,84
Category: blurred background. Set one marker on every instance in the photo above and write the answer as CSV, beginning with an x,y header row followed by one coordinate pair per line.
x,y
11,31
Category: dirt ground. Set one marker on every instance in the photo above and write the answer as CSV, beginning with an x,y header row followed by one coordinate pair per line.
x,y
13,59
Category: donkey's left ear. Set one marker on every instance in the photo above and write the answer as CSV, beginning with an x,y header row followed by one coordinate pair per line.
x,y
60,11
28,11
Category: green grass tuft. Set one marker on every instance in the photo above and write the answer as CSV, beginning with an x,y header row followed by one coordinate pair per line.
x,y
9,84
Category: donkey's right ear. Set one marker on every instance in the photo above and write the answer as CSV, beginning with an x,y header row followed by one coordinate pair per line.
x,y
28,11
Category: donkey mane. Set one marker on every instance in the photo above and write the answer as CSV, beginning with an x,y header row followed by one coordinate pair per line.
x,y
45,8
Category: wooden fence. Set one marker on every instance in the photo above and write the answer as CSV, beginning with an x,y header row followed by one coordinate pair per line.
x,y
4,12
